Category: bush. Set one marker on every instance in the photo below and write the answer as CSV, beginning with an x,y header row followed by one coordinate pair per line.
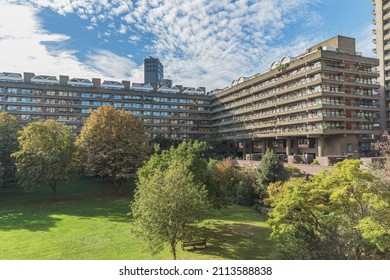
x,y
315,162
235,185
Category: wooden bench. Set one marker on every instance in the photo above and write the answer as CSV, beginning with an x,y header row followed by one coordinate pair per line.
x,y
193,244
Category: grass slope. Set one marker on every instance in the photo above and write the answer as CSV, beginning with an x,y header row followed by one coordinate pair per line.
x,y
89,221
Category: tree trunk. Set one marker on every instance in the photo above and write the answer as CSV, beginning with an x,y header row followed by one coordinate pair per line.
x,y
118,184
173,250
54,191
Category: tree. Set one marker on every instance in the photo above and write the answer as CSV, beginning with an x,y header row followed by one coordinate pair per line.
x,y
9,128
342,214
237,186
190,153
113,144
166,203
270,170
45,155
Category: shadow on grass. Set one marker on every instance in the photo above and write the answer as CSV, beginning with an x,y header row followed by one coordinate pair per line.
x,y
85,199
235,241
29,221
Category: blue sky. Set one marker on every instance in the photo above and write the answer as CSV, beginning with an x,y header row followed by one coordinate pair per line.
x,y
201,43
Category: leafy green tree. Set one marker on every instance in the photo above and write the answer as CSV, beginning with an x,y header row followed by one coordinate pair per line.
x,y
342,214
166,203
9,128
113,144
238,186
189,153
270,170
45,155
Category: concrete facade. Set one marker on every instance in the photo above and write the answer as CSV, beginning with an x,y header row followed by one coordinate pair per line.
x,y
323,103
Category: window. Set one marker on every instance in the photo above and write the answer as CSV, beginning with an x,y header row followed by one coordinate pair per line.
x,y
12,90
12,99
12,108
349,148
26,91
85,95
62,93
25,108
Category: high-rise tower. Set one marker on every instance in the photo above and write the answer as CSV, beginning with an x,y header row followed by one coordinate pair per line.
x,y
153,70
382,41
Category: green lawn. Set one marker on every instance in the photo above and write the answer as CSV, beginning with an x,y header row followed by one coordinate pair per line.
x,y
89,221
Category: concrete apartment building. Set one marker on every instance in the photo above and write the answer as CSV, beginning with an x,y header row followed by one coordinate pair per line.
x,y
382,32
323,104
176,113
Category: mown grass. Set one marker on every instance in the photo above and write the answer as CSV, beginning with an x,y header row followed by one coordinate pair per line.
x,y
90,221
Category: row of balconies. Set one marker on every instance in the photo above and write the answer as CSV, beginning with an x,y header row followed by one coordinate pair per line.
x,y
279,92
278,81
302,107
294,121
78,100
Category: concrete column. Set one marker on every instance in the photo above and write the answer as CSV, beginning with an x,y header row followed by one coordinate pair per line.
x,y
228,147
263,146
235,149
250,147
320,147
288,146
244,150
295,147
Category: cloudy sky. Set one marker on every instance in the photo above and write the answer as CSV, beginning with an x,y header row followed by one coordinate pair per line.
x,y
200,42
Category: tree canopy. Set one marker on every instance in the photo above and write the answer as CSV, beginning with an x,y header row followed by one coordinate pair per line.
x,y
342,214
45,155
191,154
113,144
270,170
166,203
9,128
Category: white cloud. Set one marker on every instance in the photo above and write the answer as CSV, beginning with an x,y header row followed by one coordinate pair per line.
x,y
364,42
23,48
201,42
112,65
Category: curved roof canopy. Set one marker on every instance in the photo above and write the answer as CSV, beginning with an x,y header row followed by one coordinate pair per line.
x,y
11,77
44,79
80,82
112,85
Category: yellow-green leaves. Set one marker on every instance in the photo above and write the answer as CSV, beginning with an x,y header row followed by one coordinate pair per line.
x,y
45,155
344,214
113,144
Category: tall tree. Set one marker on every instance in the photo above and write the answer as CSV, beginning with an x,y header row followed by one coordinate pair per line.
x,y
45,155
9,128
113,144
343,214
270,170
189,153
166,203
